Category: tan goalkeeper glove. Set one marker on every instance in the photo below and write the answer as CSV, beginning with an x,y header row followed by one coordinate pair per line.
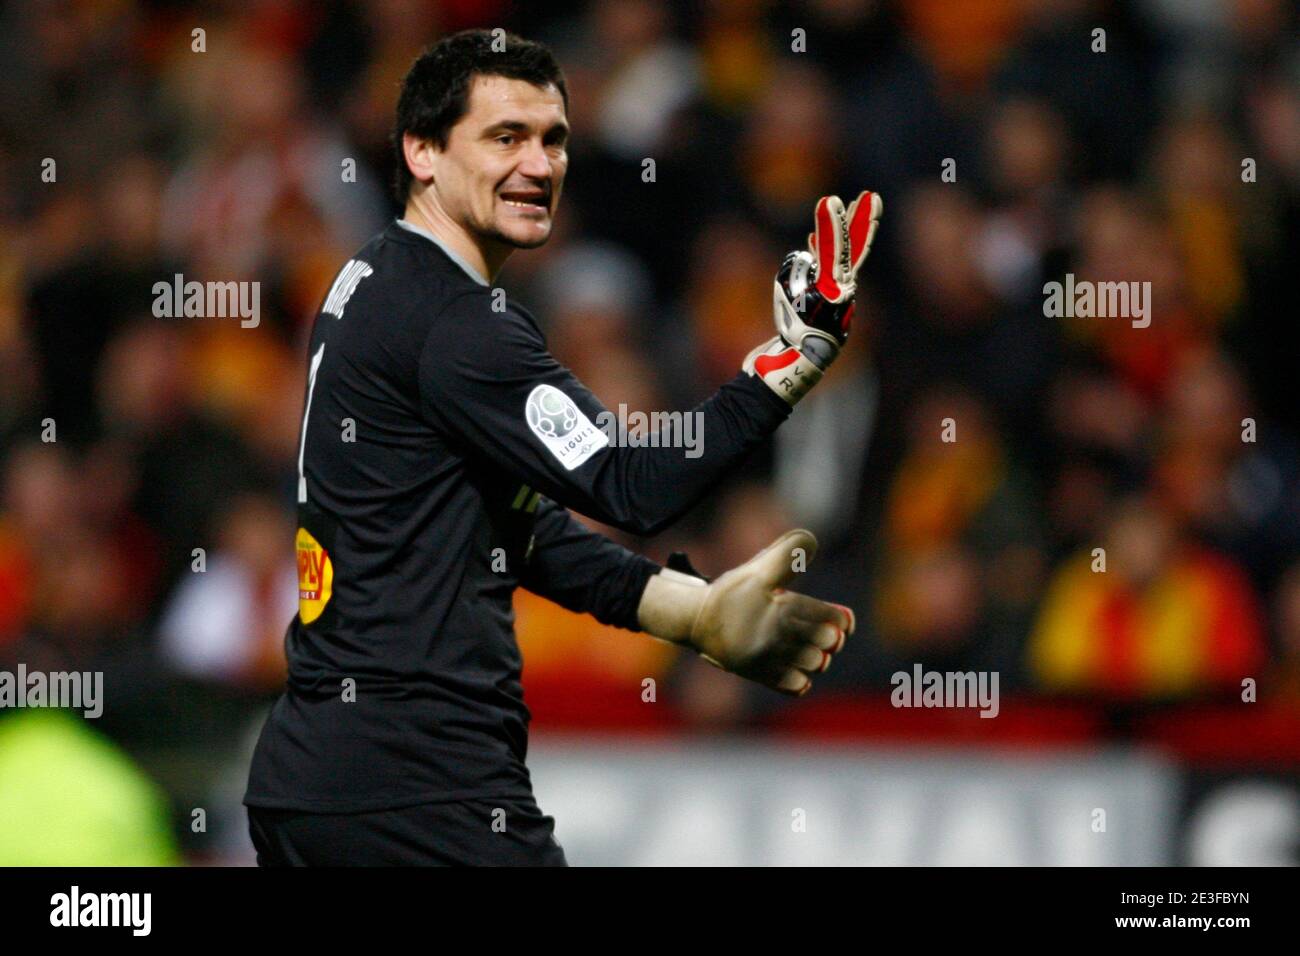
x,y
746,623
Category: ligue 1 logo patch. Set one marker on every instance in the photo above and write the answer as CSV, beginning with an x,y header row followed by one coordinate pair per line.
x,y
550,412
315,577
567,433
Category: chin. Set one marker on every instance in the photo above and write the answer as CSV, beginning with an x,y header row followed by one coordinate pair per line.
x,y
525,239
534,242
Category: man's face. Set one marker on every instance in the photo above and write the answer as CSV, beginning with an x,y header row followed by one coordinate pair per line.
x,y
502,171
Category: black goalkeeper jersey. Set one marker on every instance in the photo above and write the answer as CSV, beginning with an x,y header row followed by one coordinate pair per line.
x,y
441,445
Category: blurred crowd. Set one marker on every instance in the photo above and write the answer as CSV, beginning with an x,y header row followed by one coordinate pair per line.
x,y
1092,509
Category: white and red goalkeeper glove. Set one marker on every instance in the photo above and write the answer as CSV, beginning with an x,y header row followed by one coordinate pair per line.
x,y
746,622
812,298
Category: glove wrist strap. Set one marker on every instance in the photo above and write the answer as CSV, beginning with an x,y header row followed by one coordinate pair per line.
x,y
670,605
787,370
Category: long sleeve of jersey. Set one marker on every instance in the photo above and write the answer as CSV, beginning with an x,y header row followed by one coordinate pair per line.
x,y
488,383
584,571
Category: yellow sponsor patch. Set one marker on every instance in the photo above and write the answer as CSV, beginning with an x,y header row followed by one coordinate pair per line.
x,y
315,577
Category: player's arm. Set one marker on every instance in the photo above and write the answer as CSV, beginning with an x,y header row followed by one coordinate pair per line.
x,y
582,570
744,622
488,381
495,390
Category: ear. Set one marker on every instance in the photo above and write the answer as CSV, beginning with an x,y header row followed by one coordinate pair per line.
x,y
421,157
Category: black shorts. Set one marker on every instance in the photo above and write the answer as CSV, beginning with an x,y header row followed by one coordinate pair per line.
x,y
483,832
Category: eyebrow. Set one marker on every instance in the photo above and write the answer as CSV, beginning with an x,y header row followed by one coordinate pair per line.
x,y
518,126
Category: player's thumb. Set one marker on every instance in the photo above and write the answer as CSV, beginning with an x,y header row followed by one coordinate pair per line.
x,y
788,555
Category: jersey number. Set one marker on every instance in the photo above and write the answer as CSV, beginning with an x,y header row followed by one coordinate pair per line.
x,y
302,447
344,285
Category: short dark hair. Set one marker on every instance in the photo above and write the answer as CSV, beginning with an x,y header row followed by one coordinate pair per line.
x,y
435,92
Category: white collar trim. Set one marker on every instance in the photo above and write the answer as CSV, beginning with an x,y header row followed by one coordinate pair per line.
x,y
419,231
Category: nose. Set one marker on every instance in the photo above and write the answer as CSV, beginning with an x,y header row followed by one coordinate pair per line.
x,y
534,163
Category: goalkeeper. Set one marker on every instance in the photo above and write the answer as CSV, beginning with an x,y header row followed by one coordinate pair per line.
x,y
441,445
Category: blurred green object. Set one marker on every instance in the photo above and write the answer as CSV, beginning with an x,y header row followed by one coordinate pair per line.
x,y
70,797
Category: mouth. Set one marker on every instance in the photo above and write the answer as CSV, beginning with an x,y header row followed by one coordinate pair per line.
x,y
528,199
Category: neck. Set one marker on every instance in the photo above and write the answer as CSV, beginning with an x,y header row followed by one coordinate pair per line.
x,y
485,255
